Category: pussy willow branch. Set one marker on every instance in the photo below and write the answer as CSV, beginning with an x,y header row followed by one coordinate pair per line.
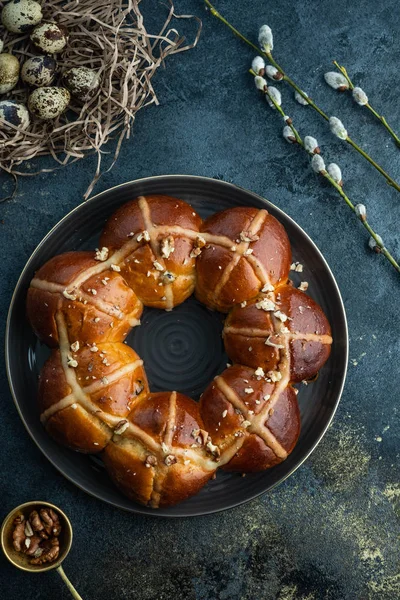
x,y
337,187
290,81
381,118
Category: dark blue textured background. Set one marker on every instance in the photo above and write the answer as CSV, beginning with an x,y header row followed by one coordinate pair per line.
x,y
330,531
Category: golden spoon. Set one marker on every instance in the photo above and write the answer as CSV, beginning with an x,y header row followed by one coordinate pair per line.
x,y
21,561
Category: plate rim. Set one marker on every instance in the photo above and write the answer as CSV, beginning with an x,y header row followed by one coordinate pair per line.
x,y
137,508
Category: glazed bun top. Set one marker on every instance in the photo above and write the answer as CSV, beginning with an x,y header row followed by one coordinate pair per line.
x,y
155,243
95,301
247,251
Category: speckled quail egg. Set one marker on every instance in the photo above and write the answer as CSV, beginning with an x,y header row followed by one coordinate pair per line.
x,y
82,82
38,70
14,113
20,16
50,37
48,102
9,72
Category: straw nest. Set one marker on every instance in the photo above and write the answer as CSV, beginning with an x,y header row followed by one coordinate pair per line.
x,y
110,37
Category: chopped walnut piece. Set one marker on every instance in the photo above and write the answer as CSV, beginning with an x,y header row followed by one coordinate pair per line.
x,y
243,304
138,388
167,246
102,254
71,362
265,304
212,449
274,376
157,265
143,235
267,287
281,316
246,424
248,252
170,460
200,436
296,266
246,236
248,390
150,461
121,427
303,286
195,252
75,347
259,373
115,268
200,242
238,434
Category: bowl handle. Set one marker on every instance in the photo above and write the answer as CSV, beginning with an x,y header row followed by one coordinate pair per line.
x,y
69,585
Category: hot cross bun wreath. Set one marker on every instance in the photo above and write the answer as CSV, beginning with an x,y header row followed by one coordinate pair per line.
x,y
161,448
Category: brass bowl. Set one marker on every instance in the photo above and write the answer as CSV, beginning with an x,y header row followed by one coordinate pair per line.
x,y
20,560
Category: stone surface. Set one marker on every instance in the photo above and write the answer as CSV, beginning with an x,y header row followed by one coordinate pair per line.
x,y
330,531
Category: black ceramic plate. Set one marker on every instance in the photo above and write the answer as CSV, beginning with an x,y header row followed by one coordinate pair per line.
x,y
182,349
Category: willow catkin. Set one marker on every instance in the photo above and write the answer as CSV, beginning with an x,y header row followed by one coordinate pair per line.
x,y
110,37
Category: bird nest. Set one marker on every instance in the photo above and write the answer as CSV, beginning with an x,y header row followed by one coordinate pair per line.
x,y
110,37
